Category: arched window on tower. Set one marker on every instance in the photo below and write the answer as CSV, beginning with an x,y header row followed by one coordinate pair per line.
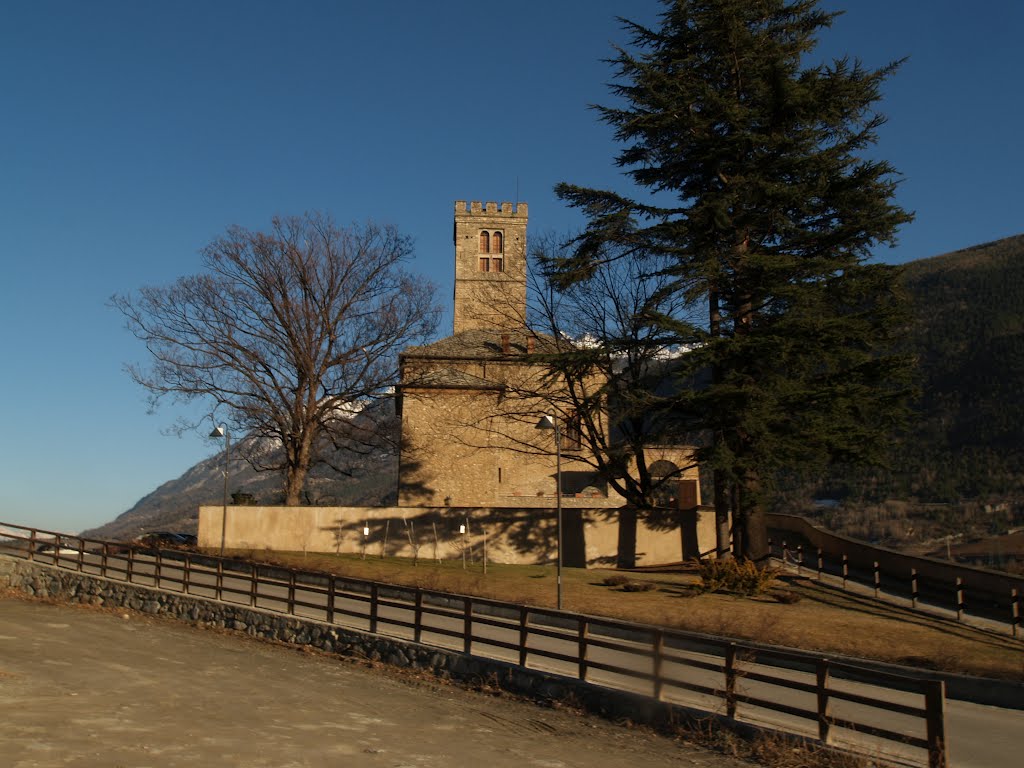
x,y
497,260
485,241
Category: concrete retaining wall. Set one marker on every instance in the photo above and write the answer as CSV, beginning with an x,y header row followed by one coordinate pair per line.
x,y
514,535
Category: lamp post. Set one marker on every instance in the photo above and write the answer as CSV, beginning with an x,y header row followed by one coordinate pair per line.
x,y
546,422
222,431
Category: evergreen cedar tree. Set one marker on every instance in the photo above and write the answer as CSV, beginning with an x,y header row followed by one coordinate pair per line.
x,y
756,188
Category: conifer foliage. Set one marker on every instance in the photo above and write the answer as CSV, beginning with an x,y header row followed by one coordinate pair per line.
x,y
752,175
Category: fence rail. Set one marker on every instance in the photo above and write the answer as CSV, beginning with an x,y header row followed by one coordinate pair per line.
x,y
957,596
837,703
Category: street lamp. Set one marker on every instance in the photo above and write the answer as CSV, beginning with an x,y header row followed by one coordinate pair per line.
x,y
546,422
222,431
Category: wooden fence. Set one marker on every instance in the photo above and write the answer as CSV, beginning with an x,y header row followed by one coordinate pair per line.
x,y
957,595
837,703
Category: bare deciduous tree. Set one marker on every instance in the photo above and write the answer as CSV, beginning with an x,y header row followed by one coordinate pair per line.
x,y
288,334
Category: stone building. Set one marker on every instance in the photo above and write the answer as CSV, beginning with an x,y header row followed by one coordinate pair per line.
x,y
470,403
475,474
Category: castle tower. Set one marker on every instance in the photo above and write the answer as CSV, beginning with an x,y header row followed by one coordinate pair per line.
x,y
490,266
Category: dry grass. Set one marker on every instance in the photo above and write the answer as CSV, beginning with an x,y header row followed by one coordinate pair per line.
x,y
823,618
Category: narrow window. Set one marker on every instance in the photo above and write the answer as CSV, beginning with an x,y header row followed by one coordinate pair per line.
x,y
496,243
485,243
485,264
497,264
572,432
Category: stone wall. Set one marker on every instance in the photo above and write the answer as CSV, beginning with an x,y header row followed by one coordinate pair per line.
x,y
513,535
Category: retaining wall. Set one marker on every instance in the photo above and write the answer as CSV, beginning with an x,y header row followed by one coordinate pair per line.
x,y
520,535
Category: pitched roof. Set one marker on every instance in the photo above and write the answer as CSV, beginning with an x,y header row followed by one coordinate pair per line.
x,y
482,344
447,378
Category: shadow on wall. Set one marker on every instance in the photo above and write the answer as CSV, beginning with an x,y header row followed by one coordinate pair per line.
x,y
523,535
512,535
590,537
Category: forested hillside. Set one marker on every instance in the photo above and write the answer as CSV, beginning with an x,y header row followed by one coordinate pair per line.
x,y
969,334
960,463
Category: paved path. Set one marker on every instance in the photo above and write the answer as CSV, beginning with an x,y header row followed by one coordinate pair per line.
x,y
85,688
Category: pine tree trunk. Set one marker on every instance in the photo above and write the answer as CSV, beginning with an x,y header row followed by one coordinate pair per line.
x,y
723,534
755,526
723,527
627,537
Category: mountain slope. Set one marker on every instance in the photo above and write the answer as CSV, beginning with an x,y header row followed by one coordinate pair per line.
x,y
967,439
174,506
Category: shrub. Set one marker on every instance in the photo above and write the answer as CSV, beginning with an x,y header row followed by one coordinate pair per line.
x,y
618,580
638,586
786,597
742,578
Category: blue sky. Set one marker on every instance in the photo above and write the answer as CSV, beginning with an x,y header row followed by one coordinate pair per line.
x,y
132,133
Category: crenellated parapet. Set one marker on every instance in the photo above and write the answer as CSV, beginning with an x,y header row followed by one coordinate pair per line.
x,y
477,208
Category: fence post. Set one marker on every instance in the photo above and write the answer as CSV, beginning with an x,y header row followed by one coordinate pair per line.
x,y
524,630
1014,611
417,628
156,569
373,608
846,569
821,564
254,584
878,577
130,566
730,680
103,560
330,598
935,714
186,574
32,544
913,588
659,651
800,560
467,626
959,599
291,593
220,579
81,554
582,648
824,722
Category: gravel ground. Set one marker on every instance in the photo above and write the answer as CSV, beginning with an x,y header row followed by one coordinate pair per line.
x,y
81,687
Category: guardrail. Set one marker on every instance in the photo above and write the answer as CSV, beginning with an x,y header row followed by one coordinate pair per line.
x,y
838,703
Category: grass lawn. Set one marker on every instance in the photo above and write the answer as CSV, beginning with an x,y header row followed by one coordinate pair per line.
x,y
824,619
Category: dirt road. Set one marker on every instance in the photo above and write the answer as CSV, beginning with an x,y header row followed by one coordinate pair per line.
x,y
86,688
